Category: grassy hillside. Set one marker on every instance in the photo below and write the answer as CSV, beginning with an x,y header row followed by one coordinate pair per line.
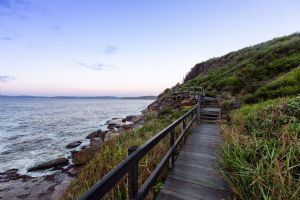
x,y
253,73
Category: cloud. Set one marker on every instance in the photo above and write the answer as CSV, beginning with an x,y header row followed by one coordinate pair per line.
x,y
14,8
4,79
95,66
13,4
57,27
7,38
5,3
109,50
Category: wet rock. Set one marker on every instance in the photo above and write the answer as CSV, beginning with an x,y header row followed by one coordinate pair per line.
x,y
83,156
94,134
73,144
53,163
12,174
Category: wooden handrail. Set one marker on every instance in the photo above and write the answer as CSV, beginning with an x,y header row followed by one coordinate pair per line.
x,y
187,91
130,164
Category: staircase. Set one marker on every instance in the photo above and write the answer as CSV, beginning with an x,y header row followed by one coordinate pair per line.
x,y
211,111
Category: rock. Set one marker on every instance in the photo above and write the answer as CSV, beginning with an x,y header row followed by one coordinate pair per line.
x,y
127,126
235,105
73,171
45,187
73,144
131,118
12,174
117,123
53,163
83,156
110,135
94,134
96,143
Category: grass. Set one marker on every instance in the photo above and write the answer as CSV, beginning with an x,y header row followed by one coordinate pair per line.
x,y
115,151
261,152
285,85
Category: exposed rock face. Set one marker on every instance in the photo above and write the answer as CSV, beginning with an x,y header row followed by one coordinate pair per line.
x,y
73,144
59,162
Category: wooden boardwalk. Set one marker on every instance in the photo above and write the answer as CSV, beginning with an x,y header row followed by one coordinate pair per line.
x,y
194,175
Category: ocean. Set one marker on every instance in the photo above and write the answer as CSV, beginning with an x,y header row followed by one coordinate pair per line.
x,y
35,130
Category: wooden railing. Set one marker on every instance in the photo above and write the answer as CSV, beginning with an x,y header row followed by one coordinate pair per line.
x,y
187,92
130,166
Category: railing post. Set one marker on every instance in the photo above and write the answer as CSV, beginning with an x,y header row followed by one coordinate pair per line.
x,y
199,107
172,140
194,94
132,176
183,127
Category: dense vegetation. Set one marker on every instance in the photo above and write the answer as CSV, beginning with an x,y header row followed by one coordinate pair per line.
x,y
253,73
261,154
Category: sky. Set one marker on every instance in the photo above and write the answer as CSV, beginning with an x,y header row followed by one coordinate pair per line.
x,y
126,47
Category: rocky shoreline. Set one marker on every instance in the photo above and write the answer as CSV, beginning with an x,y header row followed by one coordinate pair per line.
x,y
17,186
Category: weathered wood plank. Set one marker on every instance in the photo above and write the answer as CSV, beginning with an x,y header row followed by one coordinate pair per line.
x,y
195,190
165,194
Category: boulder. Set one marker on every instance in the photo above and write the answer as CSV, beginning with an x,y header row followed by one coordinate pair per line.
x,y
73,144
110,135
114,123
235,105
94,134
131,118
83,156
50,164
118,123
96,143
127,126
